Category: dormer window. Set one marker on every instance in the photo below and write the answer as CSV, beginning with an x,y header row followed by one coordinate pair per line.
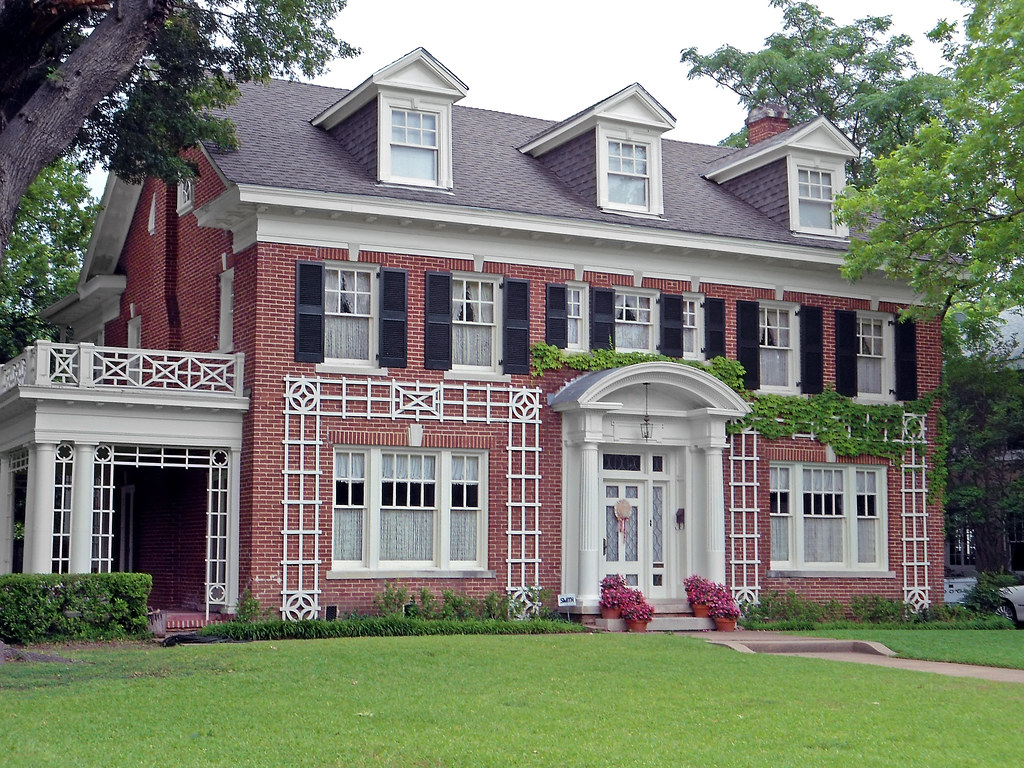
x,y
628,177
814,195
414,146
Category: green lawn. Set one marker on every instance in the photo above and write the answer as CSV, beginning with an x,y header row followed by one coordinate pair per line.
x,y
965,646
579,700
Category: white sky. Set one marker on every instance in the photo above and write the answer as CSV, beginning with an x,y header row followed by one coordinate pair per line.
x,y
551,58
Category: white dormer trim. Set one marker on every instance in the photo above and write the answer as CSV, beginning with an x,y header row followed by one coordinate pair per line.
x,y
632,107
808,161
655,191
416,73
442,112
818,137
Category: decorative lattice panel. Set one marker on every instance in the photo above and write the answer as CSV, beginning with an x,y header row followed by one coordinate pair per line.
x,y
103,511
217,520
744,537
914,513
312,405
63,468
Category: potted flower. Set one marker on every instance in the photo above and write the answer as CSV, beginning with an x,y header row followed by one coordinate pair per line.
x,y
724,611
613,595
700,592
637,611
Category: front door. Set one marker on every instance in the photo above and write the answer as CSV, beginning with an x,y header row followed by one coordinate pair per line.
x,y
635,543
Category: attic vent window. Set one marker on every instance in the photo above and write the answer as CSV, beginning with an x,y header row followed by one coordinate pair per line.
x,y
414,146
628,177
814,190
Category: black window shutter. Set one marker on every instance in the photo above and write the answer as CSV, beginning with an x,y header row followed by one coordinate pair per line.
x,y
394,319
437,342
846,352
812,351
671,326
515,351
714,328
309,312
906,360
602,318
748,342
556,318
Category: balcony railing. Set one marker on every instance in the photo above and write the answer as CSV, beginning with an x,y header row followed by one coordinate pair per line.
x,y
85,365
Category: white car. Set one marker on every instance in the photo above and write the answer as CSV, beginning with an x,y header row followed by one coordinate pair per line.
x,y
1012,606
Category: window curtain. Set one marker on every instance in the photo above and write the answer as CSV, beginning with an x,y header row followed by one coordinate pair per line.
x,y
347,337
348,534
406,534
823,539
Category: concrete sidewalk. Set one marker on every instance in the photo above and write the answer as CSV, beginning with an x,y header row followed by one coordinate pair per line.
x,y
858,651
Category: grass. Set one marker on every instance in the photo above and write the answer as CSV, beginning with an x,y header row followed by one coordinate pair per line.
x,y
593,700
963,646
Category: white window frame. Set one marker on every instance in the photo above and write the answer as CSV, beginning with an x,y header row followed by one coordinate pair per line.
x,y
442,111
652,141
186,194
460,279
582,344
372,272
653,325
442,564
837,170
850,517
888,365
698,326
226,311
793,361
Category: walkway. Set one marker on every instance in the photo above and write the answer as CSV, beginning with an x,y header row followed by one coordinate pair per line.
x,y
859,651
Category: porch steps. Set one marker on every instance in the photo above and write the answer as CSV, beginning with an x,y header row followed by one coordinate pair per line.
x,y
162,623
670,623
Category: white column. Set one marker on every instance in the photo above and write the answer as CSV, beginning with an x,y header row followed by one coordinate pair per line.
x,y
234,499
83,479
714,480
590,525
6,515
39,509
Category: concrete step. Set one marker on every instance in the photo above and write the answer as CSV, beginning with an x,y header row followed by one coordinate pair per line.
x,y
659,624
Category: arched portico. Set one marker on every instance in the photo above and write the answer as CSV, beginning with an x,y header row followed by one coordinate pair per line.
x,y
669,488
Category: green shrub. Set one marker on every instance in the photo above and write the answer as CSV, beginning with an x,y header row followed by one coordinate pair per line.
x,y
876,609
382,626
496,605
459,607
50,607
249,608
790,607
392,601
984,596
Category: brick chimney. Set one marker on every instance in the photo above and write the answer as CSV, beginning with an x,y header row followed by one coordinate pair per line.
x,y
765,121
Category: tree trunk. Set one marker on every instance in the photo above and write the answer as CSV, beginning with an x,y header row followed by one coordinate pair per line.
x,y
48,121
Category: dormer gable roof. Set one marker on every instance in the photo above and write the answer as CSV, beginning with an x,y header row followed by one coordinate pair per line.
x,y
633,106
418,72
818,136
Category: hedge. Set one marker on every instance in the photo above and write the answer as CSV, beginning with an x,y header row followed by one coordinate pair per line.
x,y
382,626
90,606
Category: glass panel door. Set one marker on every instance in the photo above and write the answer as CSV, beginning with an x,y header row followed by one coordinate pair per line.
x,y
622,542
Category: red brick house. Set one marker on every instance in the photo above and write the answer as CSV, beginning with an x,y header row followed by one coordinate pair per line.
x,y
309,371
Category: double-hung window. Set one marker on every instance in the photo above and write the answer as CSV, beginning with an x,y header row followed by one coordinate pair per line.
x,y
827,517
872,371
408,509
414,146
576,317
628,175
776,342
634,321
474,324
348,314
814,196
691,327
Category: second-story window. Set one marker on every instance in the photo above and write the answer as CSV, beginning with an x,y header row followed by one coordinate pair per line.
x,y
414,148
776,346
348,311
628,175
870,355
633,321
473,322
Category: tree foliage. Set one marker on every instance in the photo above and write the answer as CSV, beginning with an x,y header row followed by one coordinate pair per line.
x,y
857,75
51,232
984,399
946,212
131,83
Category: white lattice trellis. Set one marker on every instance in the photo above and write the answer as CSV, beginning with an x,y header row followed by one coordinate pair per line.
x,y
744,534
914,493
311,405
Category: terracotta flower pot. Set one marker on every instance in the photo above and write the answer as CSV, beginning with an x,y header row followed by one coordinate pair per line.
x,y
637,626
700,611
611,613
725,625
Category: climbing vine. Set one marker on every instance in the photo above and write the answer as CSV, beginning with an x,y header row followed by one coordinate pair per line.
x,y
850,428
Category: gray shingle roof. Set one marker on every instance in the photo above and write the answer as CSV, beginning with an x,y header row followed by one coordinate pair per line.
x,y
279,148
